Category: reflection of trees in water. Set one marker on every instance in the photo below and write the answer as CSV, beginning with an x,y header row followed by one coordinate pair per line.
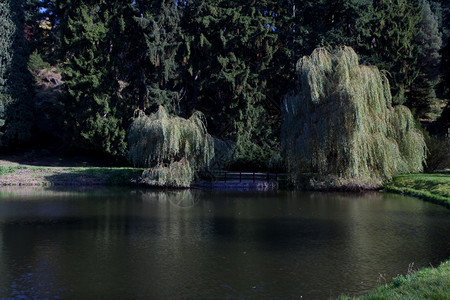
x,y
56,192
182,199
14,192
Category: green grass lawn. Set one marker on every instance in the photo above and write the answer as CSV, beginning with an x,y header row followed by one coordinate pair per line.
x,y
428,283
433,187
8,169
35,175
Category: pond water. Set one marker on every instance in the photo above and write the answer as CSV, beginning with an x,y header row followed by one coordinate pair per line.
x,y
133,243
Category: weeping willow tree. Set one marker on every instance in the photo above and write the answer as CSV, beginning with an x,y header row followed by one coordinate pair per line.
x,y
173,149
339,125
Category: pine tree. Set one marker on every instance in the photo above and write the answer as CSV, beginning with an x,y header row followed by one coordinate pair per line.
x,y
334,23
93,108
16,115
156,37
235,67
387,37
444,88
429,39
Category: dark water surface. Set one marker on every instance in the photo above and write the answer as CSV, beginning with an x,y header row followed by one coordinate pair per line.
x,y
131,243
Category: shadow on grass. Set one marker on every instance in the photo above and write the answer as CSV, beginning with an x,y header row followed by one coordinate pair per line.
x,y
94,176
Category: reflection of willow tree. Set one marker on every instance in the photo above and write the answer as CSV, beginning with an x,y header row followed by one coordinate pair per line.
x,y
178,199
340,125
173,148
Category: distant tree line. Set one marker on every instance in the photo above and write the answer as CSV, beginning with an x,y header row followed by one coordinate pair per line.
x,y
73,72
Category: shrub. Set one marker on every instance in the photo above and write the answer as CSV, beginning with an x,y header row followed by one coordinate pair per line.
x,y
36,63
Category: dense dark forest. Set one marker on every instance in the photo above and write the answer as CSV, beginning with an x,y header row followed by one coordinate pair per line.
x,y
74,73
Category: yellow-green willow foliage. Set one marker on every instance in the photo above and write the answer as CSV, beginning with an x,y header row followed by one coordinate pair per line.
x,y
173,149
339,125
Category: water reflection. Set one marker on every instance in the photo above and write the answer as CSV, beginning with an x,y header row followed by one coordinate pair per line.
x,y
179,199
132,243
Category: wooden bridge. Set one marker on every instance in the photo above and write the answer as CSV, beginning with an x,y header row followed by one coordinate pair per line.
x,y
252,181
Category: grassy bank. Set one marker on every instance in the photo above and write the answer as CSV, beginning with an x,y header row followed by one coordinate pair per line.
x,y
430,187
23,175
428,283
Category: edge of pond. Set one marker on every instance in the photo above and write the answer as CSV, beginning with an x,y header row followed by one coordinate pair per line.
x,y
431,187
426,283
414,284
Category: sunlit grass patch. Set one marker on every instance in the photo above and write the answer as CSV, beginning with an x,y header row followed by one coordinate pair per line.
x,y
9,169
428,283
43,176
432,187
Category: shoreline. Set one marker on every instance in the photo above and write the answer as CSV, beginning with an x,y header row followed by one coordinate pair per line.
x,y
428,187
425,283
431,187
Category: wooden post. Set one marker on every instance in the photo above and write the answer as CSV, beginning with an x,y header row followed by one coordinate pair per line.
x,y
240,176
253,176
225,176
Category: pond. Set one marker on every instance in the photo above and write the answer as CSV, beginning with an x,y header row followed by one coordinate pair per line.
x,y
134,243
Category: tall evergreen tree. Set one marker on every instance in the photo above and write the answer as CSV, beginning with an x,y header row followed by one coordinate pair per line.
x,y
335,23
444,88
235,70
92,105
429,39
387,36
153,39
15,96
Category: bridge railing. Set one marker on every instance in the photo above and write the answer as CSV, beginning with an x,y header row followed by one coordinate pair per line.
x,y
225,176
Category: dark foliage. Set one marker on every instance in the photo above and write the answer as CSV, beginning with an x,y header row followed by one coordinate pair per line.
x,y
233,60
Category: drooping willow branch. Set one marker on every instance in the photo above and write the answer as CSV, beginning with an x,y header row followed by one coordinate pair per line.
x,y
339,123
173,149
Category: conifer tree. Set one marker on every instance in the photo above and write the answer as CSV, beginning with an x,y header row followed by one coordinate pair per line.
x,y
444,87
334,23
429,40
387,36
230,54
15,96
93,109
156,38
